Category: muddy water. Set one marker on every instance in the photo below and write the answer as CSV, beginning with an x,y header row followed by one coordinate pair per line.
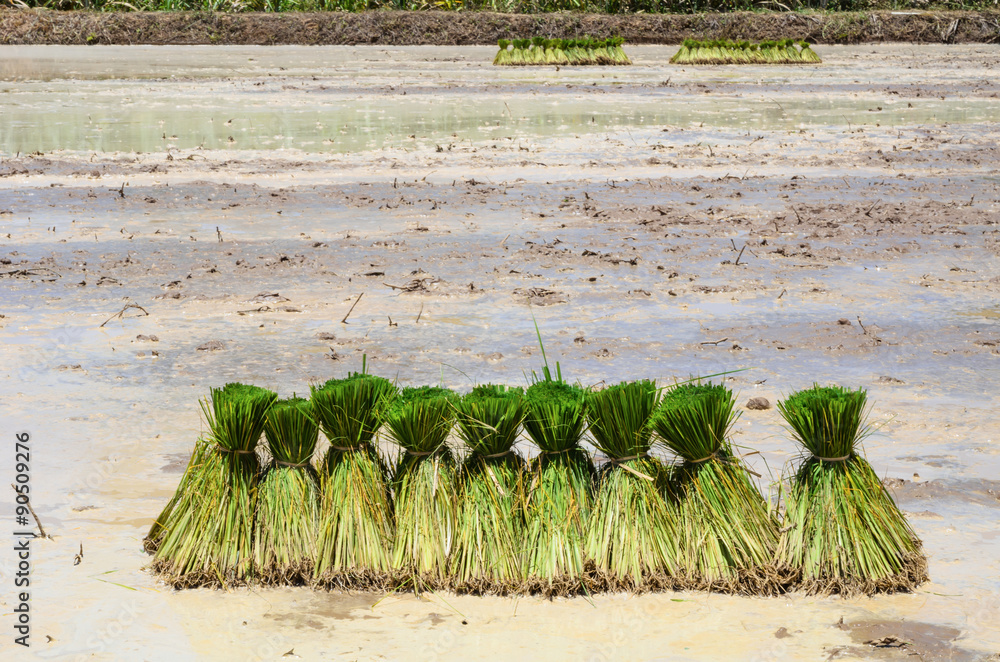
x,y
612,204
341,100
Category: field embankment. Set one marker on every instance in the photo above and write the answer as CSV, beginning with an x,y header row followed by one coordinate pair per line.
x,y
398,28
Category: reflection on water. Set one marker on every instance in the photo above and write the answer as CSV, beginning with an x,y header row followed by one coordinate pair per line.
x,y
341,100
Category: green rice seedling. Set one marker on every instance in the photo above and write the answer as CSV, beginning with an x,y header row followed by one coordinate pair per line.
x,y
424,484
723,52
791,53
598,51
520,52
288,499
573,55
191,474
703,54
560,52
207,538
486,553
631,535
842,531
538,50
355,537
550,52
743,52
503,55
560,496
726,532
594,50
581,52
617,52
807,54
514,56
683,55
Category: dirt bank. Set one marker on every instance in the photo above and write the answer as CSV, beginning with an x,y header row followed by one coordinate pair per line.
x,y
399,28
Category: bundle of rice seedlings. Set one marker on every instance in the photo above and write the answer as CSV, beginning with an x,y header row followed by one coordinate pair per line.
x,y
191,474
551,56
617,52
503,55
573,55
519,53
683,55
807,54
843,533
726,532
560,495
791,53
288,498
559,51
631,532
538,50
743,52
207,538
486,554
354,544
424,485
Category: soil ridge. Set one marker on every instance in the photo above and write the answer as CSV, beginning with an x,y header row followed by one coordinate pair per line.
x,y
441,28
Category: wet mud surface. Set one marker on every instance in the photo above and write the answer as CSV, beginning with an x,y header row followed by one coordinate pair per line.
x,y
835,224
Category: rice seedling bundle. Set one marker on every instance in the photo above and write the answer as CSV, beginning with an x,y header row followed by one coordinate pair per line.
x,y
560,495
288,498
843,533
486,552
502,57
424,485
207,538
354,545
783,51
631,532
725,530
538,50
192,473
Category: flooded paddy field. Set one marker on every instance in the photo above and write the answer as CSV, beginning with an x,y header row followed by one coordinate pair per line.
x,y
837,223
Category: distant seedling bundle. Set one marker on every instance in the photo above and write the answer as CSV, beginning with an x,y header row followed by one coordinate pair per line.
x,y
671,507
542,51
784,51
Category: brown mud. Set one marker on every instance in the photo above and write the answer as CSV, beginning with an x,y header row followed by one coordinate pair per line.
x,y
468,28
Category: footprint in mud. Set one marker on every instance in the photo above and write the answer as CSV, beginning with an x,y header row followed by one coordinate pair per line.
x,y
892,640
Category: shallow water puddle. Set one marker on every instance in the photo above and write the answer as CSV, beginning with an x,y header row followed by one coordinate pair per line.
x,y
320,100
